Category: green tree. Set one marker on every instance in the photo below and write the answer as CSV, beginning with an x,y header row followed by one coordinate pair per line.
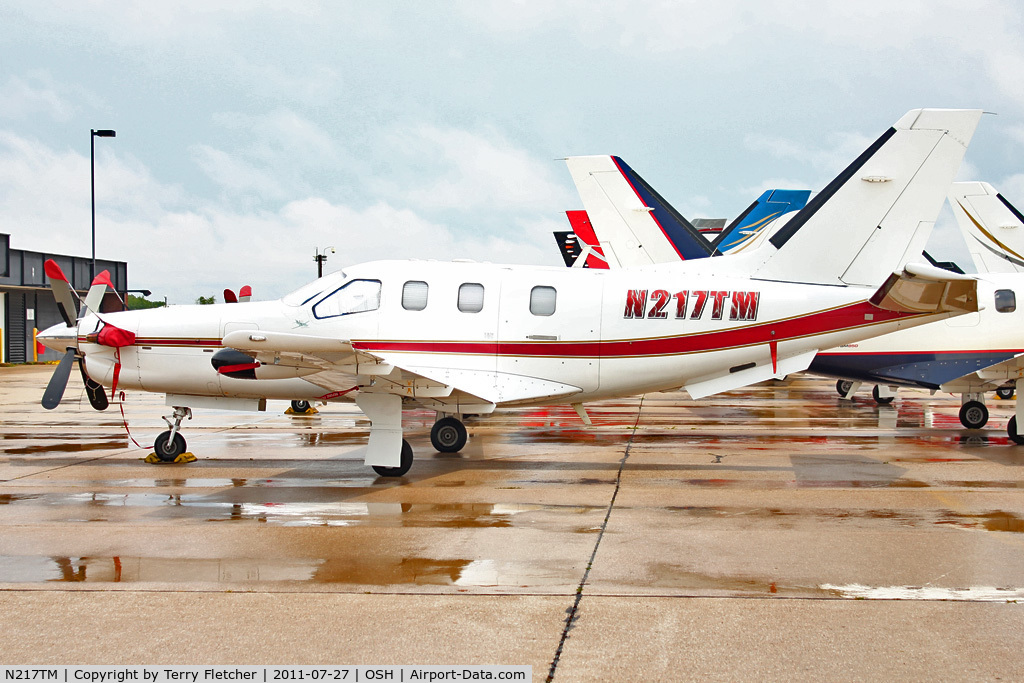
x,y
136,303
206,300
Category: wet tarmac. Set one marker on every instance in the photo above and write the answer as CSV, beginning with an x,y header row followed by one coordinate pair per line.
x,y
771,532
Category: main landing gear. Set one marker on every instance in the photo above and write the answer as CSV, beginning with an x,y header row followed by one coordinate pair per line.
x,y
973,413
402,469
882,394
386,451
448,435
1011,427
170,444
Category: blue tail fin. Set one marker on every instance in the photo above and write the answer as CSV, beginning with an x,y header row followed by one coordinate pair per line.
x,y
757,218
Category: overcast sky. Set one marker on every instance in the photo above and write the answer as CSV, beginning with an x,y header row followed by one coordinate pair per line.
x,y
250,134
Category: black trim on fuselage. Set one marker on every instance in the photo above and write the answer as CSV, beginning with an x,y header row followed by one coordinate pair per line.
x,y
789,229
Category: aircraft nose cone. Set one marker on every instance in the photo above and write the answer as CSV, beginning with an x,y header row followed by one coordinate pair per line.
x,y
59,337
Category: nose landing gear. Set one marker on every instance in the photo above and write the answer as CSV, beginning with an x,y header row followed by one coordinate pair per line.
x,y
170,444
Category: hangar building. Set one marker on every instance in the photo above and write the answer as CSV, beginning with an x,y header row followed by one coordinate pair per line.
x,y
27,303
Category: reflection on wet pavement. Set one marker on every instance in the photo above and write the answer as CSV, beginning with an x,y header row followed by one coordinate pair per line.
x,y
716,497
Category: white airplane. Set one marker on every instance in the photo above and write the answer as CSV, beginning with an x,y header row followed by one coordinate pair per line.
x,y
471,338
632,224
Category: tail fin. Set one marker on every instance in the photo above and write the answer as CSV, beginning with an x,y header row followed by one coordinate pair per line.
x,y
867,222
590,246
993,228
757,220
634,224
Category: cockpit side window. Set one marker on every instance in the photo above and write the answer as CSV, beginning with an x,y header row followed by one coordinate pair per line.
x,y
1006,301
357,296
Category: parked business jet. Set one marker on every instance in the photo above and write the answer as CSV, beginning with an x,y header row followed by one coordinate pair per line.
x,y
471,338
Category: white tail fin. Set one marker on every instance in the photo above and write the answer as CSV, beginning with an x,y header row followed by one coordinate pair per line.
x,y
634,225
868,222
992,227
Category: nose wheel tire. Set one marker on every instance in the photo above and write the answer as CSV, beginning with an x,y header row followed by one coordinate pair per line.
x,y
300,406
973,415
843,386
401,469
168,449
1005,393
448,435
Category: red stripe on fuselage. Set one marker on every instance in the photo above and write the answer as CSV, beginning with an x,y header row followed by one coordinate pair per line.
x,y
823,322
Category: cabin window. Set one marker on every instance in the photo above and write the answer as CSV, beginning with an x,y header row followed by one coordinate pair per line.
x,y
542,300
1006,301
414,295
471,297
358,296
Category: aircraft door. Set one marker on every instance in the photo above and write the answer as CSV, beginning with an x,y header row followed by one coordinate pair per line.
x,y
550,327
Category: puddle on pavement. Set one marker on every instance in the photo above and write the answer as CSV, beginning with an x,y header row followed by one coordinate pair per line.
x,y
74,446
995,520
457,516
374,571
678,577
8,498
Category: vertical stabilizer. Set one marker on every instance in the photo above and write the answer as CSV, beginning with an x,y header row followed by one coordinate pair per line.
x,y
759,220
862,226
992,227
634,224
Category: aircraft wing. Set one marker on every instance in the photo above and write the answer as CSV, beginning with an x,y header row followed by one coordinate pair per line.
x,y
768,368
337,363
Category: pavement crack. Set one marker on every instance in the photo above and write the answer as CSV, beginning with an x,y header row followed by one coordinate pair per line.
x,y
573,611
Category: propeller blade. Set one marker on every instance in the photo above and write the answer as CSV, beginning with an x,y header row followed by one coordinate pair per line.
x,y
61,292
55,389
93,389
96,291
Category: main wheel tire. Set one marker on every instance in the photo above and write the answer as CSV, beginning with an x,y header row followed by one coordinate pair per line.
x,y
167,449
448,435
973,415
843,386
879,399
300,406
1011,430
1005,393
401,469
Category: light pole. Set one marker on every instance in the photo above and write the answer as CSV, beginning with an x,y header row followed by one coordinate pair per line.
x,y
320,258
93,134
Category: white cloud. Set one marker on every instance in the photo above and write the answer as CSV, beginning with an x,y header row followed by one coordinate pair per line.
x,y
472,172
34,95
183,247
